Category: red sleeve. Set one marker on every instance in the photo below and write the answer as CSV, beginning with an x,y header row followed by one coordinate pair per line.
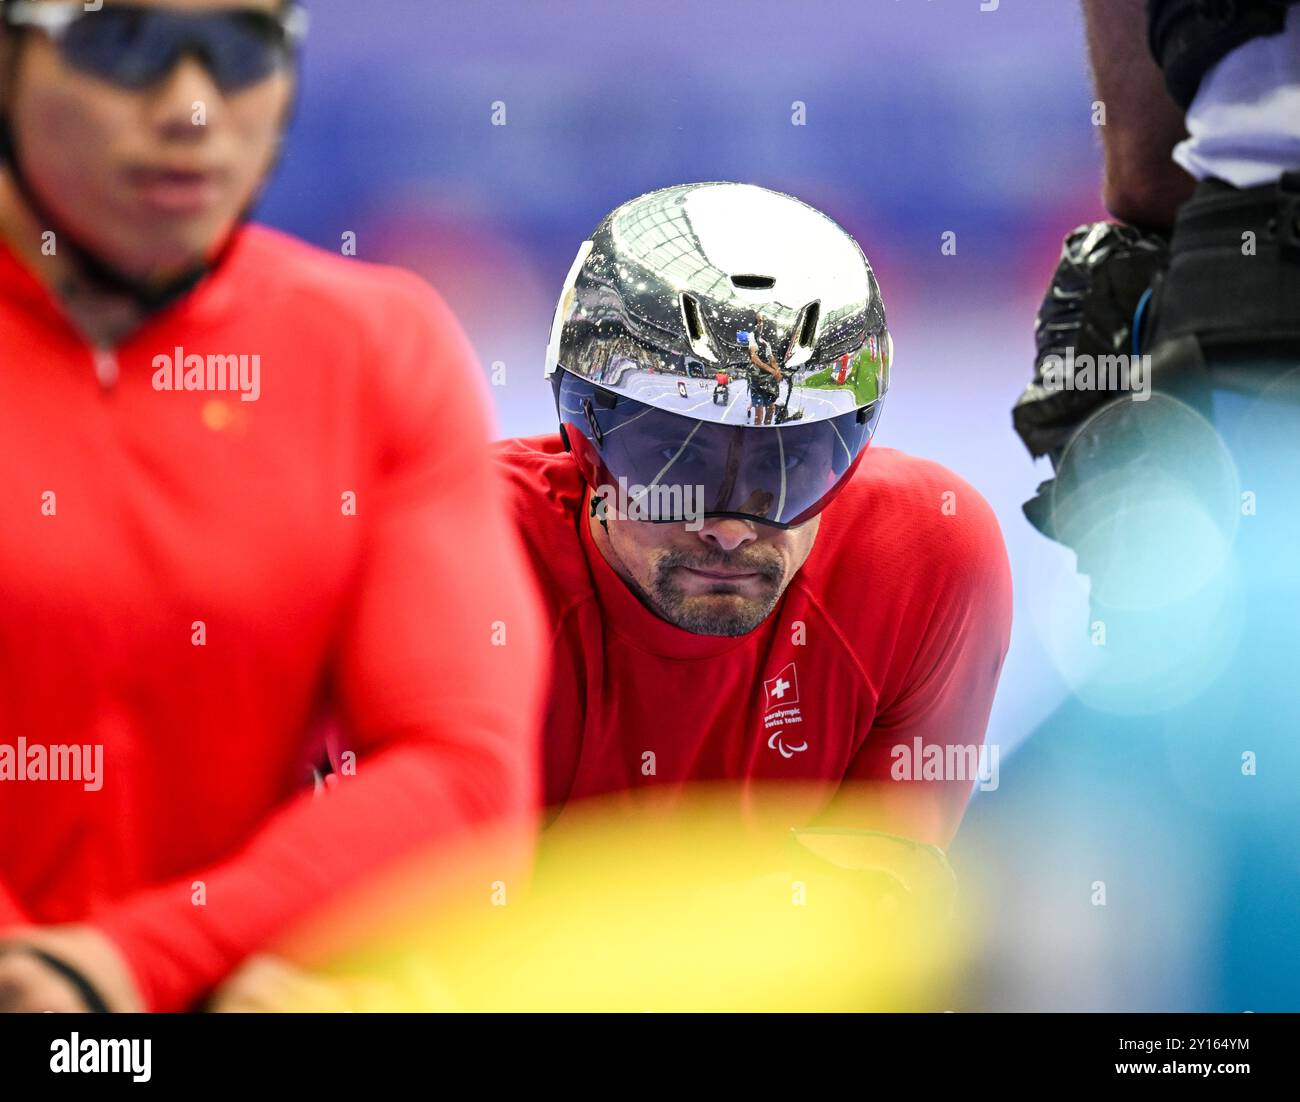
x,y
952,669
442,717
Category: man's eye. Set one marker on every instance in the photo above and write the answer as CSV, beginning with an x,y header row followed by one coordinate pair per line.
x,y
677,453
774,461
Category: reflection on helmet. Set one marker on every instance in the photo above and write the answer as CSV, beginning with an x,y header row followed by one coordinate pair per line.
x,y
727,337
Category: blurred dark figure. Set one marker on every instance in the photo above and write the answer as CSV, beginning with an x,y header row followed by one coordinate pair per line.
x,y
1141,852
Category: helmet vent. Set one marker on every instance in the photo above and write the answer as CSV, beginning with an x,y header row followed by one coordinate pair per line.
x,y
691,313
807,332
696,334
753,282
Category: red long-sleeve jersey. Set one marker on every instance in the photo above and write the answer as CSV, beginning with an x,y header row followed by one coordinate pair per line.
x,y
188,577
878,665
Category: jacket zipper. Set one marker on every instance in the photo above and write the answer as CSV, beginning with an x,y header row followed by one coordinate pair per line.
x,y
106,367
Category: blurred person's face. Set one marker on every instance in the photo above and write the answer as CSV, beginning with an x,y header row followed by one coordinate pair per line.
x,y
150,180
723,579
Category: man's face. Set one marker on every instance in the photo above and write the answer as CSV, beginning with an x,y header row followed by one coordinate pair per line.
x,y
150,180
723,579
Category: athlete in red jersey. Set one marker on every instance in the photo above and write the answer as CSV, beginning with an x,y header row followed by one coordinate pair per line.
x,y
741,603
892,630
790,612
235,490
890,634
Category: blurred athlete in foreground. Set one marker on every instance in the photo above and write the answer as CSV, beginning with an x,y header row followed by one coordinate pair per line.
x,y
233,492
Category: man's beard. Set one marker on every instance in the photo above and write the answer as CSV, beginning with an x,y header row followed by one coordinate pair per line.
x,y
725,610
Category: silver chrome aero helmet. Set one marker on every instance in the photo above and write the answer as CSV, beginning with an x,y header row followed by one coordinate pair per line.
x,y
722,337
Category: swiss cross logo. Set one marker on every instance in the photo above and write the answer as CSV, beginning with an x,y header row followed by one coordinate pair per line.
x,y
783,689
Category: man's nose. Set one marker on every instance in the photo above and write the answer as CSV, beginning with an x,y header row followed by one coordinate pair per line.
x,y
728,533
187,100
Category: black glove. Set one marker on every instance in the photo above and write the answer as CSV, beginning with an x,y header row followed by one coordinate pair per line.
x,y
1105,269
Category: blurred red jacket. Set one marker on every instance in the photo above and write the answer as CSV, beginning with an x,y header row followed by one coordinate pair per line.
x,y
189,577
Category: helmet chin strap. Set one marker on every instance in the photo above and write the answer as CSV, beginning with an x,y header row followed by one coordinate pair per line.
x,y
148,296
599,510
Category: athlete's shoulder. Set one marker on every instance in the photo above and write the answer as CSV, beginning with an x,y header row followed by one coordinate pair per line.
x,y
299,263
546,490
544,449
547,501
911,522
378,333
320,285
917,497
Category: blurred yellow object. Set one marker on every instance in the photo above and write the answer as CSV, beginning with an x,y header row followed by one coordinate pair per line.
x,y
647,907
